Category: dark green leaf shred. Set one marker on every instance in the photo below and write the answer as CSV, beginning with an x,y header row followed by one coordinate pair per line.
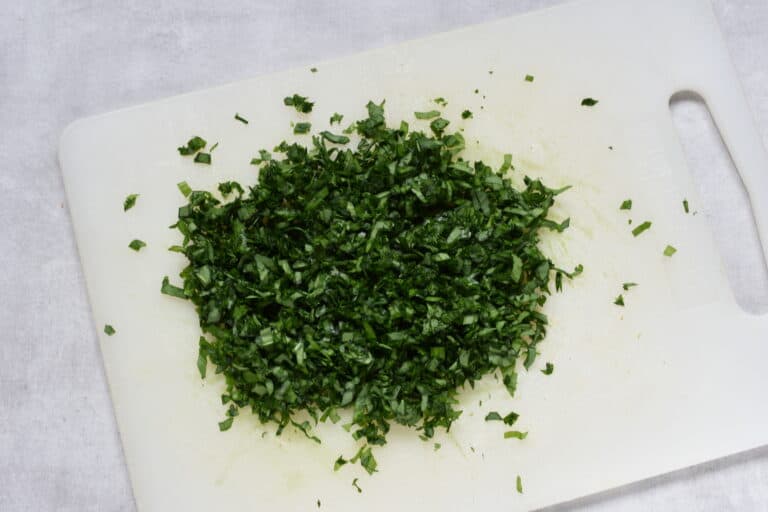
x,y
669,250
466,114
619,301
548,369
529,78
136,244
240,118
626,205
589,102
300,103
640,228
194,145
109,330
203,158
302,128
130,201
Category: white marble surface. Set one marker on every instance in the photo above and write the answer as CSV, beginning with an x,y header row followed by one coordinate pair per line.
x,y
60,60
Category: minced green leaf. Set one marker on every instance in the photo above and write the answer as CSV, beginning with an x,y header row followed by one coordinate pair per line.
x,y
427,115
339,462
519,484
589,102
240,118
440,101
109,330
203,158
493,416
336,139
354,484
184,188
619,300
136,244
627,286
194,145
511,418
548,369
529,78
226,424
626,205
130,201
640,228
168,289
336,118
685,205
302,128
300,103
669,250
514,434
466,114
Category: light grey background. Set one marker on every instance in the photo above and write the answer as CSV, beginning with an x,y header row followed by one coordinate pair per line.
x,y
60,60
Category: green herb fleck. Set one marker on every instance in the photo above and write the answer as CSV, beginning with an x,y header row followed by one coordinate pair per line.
x,y
685,205
529,78
336,139
619,300
302,128
493,416
627,286
336,118
511,418
669,250
437,446
203,158
174,291
548,369
427,115
519,484
136,245
313,70
194,145
339,463
588,102
109,330
354,484
130,201
626,205
239,118
300,103
466,114
184,188
226,424
440,101
514,434
214,147
642,227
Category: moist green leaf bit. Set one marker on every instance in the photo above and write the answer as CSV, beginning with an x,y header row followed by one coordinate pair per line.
x,y
626,205
336,118
589,102
642,227
238,117
203,158
619,300
136,244
300,103
685,206
467,114
109,330
194,145
529,78
669,250
548,369
519,484
380,279
130,201
302,128
514,434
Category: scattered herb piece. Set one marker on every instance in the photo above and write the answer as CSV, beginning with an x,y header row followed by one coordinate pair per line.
x,y
440,101
239,118
354,484
194,145
130,201
292,283
669,250
313,70
184,188
214,147
493,416
685,205
466,114
626,205
437,446
642,227
109,330
514,434
226,424
302,128
300,103
336,139
627,286
519,484
619,300
336,118
477,91
339,463
507,164
427,115
588,102
136,245
318,501
548,369
529,78
203,158
511,418
264,156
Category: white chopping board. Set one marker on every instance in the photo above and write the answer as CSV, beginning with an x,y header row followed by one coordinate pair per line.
x,y
673,379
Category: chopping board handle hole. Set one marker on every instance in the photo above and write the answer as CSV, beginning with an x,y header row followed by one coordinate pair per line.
x,y
723,197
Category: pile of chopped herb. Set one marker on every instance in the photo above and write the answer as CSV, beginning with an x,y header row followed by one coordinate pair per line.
x,y
379,279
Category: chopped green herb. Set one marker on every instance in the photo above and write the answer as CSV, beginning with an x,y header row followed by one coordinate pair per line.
x,y
507,164
493,416
313,70
109,330
548,369
130,201
336,118
529,78
383,282
642,227
519,484
685,205
514,434
427,115
466,114
203,158
194,145
300,103
226,424
239,118
437,446
302,128
440,101
136,245
339,462
511,418
619,300
214,147
318,501
669,250
626,205
627,286
336,139
184,188
354,484
589,102
264,156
